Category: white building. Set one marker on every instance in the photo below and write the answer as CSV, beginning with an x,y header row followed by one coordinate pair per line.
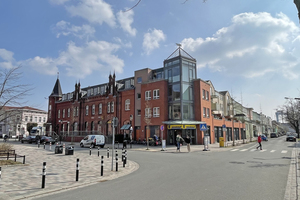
x,y
14,120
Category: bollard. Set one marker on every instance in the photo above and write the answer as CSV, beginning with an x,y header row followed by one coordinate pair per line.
x,y
107,152
125,157
98,151
64,148
15,157
101,165
44,145
116,161
38,143
77,169
50,146
90,150
24,160
7,155
0,173
44,175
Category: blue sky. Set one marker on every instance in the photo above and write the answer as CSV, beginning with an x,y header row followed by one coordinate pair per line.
x,y
249,48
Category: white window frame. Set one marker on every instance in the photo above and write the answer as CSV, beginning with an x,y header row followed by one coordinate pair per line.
x,y
69,110
148,95
58,115
207,113
147,112
64,112
156,94
207,94
87,110
100,109
93,109
112,107
203,94
108,107
204,112
127,104
156,112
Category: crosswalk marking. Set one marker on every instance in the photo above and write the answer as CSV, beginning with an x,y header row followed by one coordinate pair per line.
x,y
283,151
234,149
272,151
263,150
244,149
252,149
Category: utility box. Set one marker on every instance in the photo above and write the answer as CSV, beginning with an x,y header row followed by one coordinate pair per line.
x,y
58,150
221,141
69,150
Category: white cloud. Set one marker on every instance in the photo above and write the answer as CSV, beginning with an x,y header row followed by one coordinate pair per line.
x,y
253,45
95,11
123,44
7,59
126,19
94,56
58,2
42,65
65,28
152,40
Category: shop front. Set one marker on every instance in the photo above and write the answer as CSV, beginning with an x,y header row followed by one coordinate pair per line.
x,y
184,131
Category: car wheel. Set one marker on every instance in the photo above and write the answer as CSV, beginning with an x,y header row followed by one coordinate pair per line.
x,y
22,141
81,145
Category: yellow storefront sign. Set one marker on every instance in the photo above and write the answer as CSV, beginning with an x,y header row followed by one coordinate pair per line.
x,y
181,126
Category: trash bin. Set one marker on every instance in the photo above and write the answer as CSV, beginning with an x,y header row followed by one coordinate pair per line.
x,y
69,150
124,144
58,150
221,140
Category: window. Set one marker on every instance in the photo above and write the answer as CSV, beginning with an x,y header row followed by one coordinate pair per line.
x,y
207,113
156,112
108,107
87,110
100,109
139,79
69,110
57,116
35,119
207,95
44,120
139,112
204,112
147,112
26,118
139,95
203,94
93,109
74,112
148,95
64,113
127,104
155,94
40,119
77,111
127,84
112,106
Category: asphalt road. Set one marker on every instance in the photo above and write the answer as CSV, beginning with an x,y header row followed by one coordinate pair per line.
x,y
241,173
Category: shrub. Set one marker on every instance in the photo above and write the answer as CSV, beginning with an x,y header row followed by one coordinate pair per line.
x,y
6,147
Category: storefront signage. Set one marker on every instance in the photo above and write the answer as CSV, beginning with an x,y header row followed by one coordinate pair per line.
x,y
181,126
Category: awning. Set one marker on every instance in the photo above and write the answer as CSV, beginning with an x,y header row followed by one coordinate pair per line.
x,y
183,122
126,127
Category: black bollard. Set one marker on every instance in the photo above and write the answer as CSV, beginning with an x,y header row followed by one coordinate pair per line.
x,y
98,151
23,159
77,169
101,165
44,175
125,157
107,152
0,173
38,143
116,161
90,150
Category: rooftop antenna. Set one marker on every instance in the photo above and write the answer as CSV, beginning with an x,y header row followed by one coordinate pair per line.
x,y
57,75
179,47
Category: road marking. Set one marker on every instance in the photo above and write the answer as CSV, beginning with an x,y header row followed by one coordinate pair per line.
x,y
284,151
244,150
234,149
272,151
253,150
263,150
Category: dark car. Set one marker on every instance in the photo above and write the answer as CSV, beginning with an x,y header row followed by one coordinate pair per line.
x,y
47,140
273,135
29,139
291,137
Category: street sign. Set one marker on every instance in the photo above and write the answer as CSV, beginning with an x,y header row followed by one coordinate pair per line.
x,y
162,127
223,126
203,127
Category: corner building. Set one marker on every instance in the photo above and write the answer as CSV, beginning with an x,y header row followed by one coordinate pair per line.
x,y
171,98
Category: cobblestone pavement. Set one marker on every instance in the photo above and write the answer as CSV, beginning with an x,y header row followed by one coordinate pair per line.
x,y
25,182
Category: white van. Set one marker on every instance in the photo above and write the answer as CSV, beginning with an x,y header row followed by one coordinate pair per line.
x,y
93,140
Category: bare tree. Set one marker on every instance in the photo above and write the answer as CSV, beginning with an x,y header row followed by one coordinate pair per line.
x,y
12,91
291,113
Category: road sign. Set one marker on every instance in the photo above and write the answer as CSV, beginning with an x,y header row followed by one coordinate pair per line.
x,y
162,127
203,127
223,126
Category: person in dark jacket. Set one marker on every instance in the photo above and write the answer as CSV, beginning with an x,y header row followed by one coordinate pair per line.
x,y
188,142
259,142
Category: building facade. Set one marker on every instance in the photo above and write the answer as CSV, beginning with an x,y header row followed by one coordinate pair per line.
x,y
165,102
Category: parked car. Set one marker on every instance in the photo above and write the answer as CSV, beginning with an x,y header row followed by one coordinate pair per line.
x,y
47,139
273,135
29,139
291,137
93,140
264,137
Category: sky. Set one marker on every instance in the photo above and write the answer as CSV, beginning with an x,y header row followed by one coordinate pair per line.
x,y
249,48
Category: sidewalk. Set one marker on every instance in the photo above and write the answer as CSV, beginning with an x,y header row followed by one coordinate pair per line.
x,y
20,182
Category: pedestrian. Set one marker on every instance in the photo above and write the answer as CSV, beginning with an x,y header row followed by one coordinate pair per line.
x,y
179,139
259,142
188,141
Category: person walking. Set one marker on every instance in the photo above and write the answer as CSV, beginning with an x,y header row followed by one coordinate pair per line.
x,y
178,142
259,142
188,141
